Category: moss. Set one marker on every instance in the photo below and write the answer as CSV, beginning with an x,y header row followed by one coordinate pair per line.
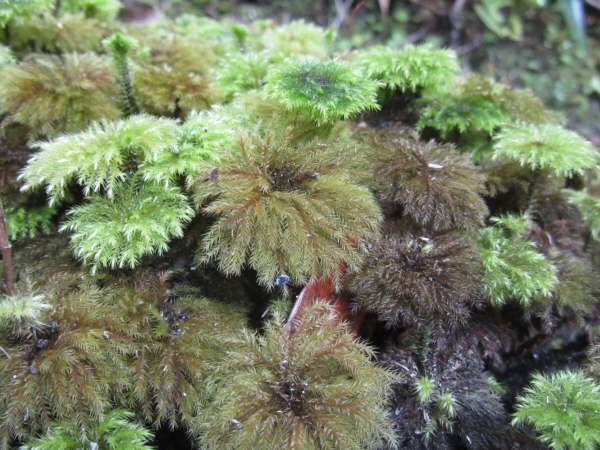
x,y
316,388
57,94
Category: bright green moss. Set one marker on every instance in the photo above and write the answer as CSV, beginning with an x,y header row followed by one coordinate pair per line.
x,y
29,222
137,220
244,72
115,430
129,171
105,10
14,10
513,268
297,38
322,91
563,409
589,208
99,158
550,148
411,68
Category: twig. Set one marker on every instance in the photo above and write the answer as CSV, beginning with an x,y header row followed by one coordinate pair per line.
x,y
457,22
342,7
6,248
5,352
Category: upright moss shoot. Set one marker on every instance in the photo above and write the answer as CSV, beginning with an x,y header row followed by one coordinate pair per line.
x,y
135,206
549,148
316,388
432,183
563,409
513,268
411,68
284,208
413,278
323,91
57,94
115,430
120,46
138,219
63,368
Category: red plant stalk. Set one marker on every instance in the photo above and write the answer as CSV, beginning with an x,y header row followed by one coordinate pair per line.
x,y
324,289
6,248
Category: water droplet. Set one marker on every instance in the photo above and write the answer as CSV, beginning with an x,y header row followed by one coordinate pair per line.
x,y
281,280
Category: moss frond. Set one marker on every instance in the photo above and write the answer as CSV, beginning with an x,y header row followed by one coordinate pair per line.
x,y
177,343
440,407
58,34
243,72
513,268
414,277
172,75
16,10
563,409
520,104
137,220
546,147
578,284
322,91
589,208
55,94
284,208
313,389
100,158
64,369
411,68
202,139
432,183
29,222
115,431
26,306
466,114
105,10
297,38
477,104
222,36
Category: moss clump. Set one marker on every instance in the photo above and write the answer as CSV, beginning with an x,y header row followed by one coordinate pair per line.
x,y
411,68
513,268
313,389
430,182
57,94
323,91
412,278
563,408
284,208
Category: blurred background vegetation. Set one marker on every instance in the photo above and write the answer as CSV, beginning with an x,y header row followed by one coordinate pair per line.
x,y
549,46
